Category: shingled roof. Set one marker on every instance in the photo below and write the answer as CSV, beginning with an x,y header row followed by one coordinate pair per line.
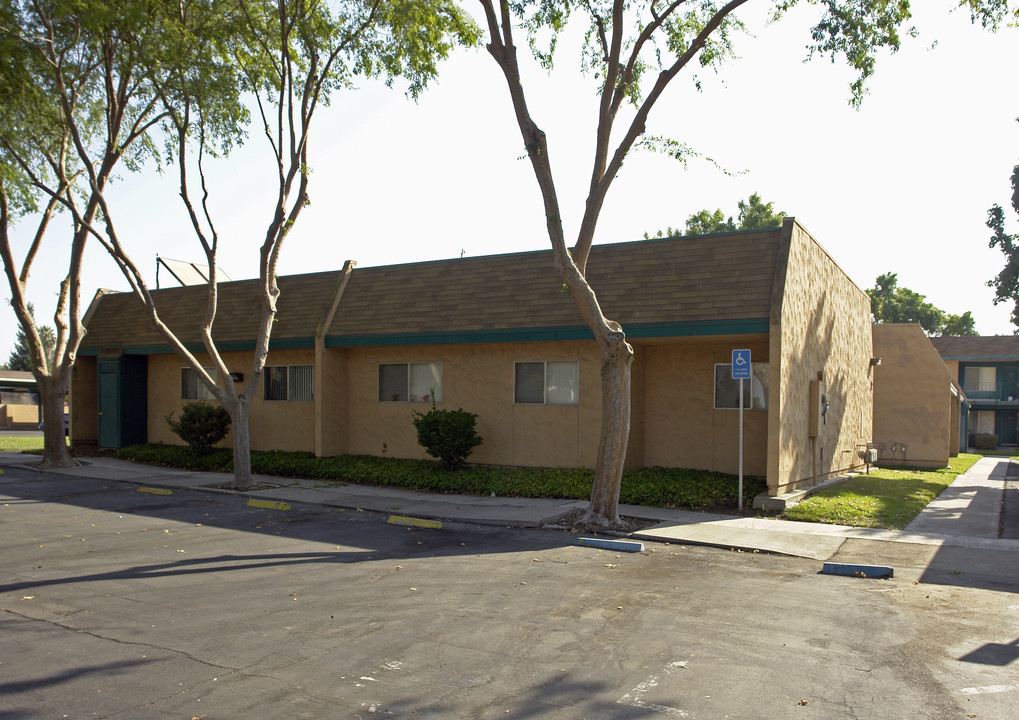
x,y
119,319
675,280
706,279
977,347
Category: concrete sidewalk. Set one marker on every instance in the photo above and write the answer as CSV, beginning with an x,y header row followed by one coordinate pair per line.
x,y
965,515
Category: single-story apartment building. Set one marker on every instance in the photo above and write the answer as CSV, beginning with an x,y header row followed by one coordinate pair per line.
x,y
19,400
356,351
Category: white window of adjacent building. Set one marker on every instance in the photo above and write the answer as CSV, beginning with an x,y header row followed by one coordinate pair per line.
x,y
410,382
982,422
191,388
289,382
755,390
980,380
555,382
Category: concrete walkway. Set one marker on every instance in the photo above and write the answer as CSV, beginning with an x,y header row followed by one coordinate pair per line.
x,y
965,515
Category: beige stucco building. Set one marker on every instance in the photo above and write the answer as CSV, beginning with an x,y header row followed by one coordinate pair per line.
x,y
917,402
356,351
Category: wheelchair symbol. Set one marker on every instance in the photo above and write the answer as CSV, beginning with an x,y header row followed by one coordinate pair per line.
x,y
741,360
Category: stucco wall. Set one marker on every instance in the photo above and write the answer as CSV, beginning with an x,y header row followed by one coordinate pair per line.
x,y
274,425
820,327
681,426
913,400
479,379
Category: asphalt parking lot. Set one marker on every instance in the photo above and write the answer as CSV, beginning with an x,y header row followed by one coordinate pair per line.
x,y
116,603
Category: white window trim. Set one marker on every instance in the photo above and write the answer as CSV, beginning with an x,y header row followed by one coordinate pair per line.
x,y
428,398
544,390
265,384
714,388
202,389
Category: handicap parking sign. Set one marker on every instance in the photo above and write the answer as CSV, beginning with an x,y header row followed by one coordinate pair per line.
x,y
740,364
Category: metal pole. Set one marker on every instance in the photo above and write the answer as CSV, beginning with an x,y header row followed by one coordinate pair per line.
x,y
741,444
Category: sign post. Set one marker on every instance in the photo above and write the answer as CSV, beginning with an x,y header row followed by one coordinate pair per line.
x,y
741,372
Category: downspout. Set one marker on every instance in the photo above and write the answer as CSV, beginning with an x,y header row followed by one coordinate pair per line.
x,y
320,355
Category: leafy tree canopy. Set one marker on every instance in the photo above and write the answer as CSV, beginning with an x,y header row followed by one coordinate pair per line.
x,y
1006,284
893,304
21,356
754,214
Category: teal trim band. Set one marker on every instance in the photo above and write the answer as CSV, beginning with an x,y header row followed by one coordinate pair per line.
x,y
750,326
232,346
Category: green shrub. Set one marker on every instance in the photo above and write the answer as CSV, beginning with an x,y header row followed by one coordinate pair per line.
x,y
449,435
985,441
201,426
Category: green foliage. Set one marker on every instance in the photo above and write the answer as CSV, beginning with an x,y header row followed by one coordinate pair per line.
x,y
653,487
885,498
754,214
985,441
21,355
1006,284
893,304
450,435
201,426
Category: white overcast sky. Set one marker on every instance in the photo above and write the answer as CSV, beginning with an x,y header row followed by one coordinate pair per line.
x,y
902,185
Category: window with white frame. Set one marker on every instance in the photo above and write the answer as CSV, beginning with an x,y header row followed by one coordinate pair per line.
x,y
755,390
191,388
979,379
410,382
289,382
553,382
982,422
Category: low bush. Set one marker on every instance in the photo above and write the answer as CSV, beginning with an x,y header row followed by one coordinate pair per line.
x,y
201,426
653,487
449,435
985,441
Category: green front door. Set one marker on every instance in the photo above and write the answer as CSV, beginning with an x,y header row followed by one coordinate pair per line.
x,y
109,405
1009,433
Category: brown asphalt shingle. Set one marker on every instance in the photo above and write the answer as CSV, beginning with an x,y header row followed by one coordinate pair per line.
x,y
977,347
707,278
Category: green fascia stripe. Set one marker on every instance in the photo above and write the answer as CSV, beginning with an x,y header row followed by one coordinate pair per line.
x,y
751,326
232,346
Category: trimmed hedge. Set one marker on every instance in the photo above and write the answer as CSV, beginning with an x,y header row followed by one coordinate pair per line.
x,y
652,487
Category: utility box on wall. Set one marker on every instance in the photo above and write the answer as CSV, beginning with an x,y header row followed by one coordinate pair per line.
x,y
818,407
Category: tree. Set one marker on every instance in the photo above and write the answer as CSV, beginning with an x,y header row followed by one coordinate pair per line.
x,y
21,355
754,214
893,304
78,93
1006,284
290,57
635,49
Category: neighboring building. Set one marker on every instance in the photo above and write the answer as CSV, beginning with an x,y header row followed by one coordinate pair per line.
x,y
917,403
987,368
19,400
355,352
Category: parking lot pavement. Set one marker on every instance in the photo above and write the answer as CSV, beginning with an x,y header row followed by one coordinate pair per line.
x,y
123,604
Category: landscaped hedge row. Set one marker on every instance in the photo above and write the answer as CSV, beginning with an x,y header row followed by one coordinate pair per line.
x,y
653,487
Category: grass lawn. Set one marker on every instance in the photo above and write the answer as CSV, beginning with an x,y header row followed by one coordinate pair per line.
x,y
886,498
23,443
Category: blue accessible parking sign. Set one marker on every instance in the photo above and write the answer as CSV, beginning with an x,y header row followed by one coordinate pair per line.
x,y
740,364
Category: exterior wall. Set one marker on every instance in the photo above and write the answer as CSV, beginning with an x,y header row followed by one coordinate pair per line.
x,y
12,414
274,425
84,402
681,426
820,329
479,379
914,405
332,416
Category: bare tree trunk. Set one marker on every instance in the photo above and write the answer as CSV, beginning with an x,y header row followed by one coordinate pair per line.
x,y
52,393
615,433
239,414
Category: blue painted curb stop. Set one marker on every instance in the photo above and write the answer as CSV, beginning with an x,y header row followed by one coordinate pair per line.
x,y
854,570
621,545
